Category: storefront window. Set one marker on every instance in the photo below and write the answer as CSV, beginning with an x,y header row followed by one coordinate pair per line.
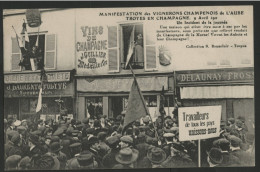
x,y
151,101
11,108
94,106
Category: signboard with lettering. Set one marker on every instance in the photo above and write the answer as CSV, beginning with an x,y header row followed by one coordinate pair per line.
x,y
35,77
32,90
164,38
200,122
122,84
213,76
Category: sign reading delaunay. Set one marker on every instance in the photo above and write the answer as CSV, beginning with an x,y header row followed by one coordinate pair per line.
x,y
215,76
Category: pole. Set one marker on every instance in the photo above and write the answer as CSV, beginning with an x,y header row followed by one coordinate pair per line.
x,y
147,113
199,156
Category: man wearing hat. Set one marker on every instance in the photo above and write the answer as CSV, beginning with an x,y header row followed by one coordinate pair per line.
x,y
34,148
126,141
156,156
11,124
11,162
86,161
9,144
241,130
231,123
109,160
214,157
55,151
47,162
243,120
16,149
25,163
228,159
127,157
104,148
75,149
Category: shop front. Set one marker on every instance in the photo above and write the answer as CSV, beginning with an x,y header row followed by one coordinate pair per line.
x,y
109,96
21,91
233,89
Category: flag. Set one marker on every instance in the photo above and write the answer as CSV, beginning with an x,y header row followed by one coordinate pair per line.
x,y
25,37
39,104
37,40
136,107
131,46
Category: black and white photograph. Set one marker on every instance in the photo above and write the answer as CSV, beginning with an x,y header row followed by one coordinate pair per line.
x,y
128,87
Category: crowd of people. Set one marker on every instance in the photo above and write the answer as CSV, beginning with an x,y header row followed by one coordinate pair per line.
x,y
98,143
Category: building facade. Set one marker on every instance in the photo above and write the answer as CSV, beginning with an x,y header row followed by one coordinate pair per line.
x,y
22,85
99,43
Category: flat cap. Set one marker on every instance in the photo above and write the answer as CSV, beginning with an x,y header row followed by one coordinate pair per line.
x,y
112,140
235,141
168,135
127,139
74,145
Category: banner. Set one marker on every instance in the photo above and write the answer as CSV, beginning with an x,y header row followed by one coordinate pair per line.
x,y
200,122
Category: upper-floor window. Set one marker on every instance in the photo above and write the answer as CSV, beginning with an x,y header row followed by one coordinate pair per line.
x,y
132,50
134,41
39,52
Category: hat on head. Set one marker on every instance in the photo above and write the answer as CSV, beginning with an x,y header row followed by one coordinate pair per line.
x,y
112,140
55,147
146,119
10,133
36,132
239,124
156,155
17,123
48,162
215,155
241,118
127,139
101,135
232,120
12,161
58,132
168,135
21,128
25,162
224,144
93,140
75,145
16,138
127,156
85,159
55,139
234,141
34,139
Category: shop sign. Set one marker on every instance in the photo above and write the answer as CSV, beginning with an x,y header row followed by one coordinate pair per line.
x,y
200,122
211,76
35,77
24,90
122,84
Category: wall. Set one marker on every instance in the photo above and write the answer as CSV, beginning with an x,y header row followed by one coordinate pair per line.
x,y
59,22
205,37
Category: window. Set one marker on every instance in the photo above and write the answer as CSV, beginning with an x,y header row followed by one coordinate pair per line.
x,y
34,57
135,42
169,101
132,46
151,101
94,106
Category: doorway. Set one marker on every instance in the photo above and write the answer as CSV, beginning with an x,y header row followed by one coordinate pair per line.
x,y
115,106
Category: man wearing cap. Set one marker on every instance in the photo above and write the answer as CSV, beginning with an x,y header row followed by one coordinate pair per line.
x,y
127,158
11,125
168,141
143,148
244,157
231,123
86,161
241,130
214,157
228,159
126,141
16,149
34,148
109,160
104,148
156,156
9,143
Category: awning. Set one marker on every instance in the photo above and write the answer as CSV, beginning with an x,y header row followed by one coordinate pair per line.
x,y
153,83
217,92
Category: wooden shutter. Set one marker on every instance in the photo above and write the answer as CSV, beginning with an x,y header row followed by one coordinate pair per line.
x,y
16,56
113,52
150,53
50,51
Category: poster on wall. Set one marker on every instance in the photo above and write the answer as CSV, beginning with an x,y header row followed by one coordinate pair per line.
x,y
163,38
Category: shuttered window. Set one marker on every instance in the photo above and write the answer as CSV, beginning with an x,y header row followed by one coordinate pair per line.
x,y
150,54
50,51
113,52
16,56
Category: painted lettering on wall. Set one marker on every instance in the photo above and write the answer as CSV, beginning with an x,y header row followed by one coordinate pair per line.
x,y
92,52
